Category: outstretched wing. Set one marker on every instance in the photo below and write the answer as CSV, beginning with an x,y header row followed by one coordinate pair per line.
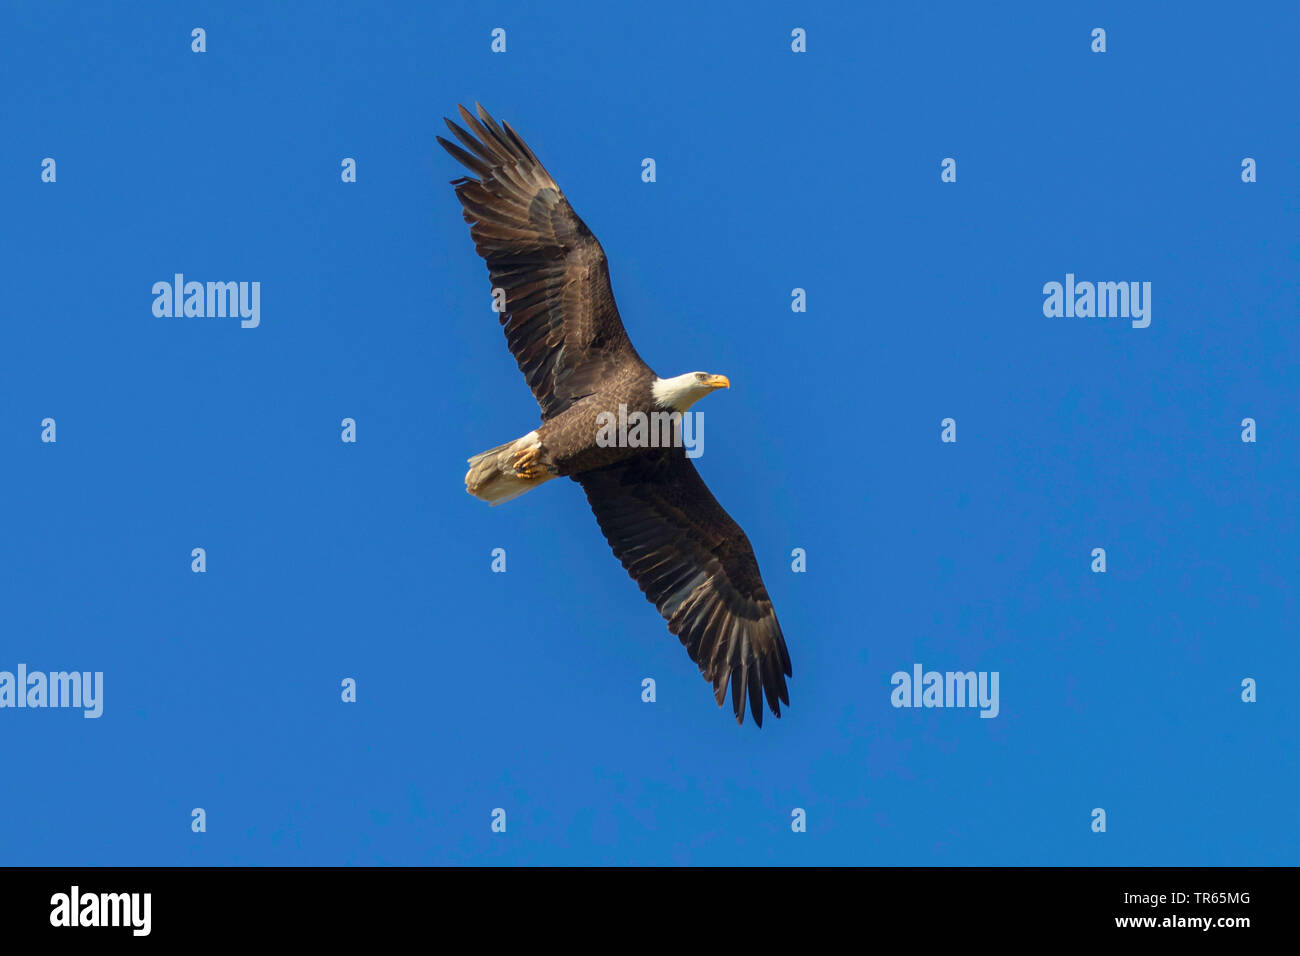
x,y
696,566
560,319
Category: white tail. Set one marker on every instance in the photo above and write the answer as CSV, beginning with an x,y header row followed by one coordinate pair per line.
x,y
492,475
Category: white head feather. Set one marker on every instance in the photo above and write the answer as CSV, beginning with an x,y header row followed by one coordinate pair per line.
x,y
682,392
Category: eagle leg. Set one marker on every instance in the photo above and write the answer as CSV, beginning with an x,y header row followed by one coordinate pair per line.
x,y
527,463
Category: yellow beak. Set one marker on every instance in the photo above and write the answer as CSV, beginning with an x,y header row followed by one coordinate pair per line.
x,y
719,381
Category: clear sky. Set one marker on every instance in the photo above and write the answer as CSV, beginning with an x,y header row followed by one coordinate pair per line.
x,y
775,170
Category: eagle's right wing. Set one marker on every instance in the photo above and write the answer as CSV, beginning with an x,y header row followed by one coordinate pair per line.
x,y
560,319
696,566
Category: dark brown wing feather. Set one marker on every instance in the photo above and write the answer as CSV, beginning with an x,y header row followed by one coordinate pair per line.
x,y
696,566
560,320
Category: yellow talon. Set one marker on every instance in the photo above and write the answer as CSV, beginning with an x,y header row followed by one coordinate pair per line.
x,y
525,464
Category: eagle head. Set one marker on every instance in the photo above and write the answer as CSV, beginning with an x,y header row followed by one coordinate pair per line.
x,y
682,392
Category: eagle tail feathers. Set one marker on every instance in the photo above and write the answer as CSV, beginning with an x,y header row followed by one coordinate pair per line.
x,y
507,471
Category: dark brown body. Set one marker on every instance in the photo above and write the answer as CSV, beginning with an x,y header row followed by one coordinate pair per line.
x,y
569,440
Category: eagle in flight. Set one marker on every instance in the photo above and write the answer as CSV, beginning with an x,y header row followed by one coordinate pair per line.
x,y
691,559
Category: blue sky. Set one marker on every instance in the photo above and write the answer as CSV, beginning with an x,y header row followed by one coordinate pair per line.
x,y
521,690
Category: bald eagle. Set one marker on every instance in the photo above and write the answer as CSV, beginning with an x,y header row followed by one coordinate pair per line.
x,y
691,559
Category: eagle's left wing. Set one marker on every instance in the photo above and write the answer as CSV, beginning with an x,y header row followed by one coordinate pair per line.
x,y
560,319
696,566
